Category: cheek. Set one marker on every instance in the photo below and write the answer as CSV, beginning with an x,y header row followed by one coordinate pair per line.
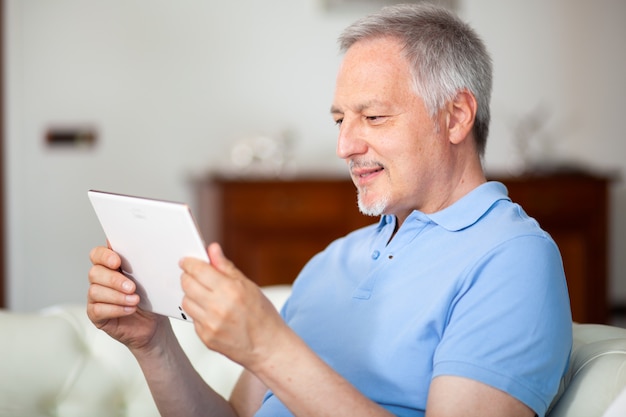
x,y
416,164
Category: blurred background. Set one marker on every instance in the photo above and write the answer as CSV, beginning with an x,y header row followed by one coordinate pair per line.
x,y
145,96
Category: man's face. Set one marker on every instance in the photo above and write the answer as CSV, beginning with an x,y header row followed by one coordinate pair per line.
x,y
390,142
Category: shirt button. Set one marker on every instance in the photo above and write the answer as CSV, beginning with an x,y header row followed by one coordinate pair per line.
x,y
375,255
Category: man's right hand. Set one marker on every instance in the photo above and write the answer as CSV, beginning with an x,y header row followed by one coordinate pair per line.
x,y
112,304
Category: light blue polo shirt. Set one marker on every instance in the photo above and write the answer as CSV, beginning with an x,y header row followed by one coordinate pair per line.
x,y
476,290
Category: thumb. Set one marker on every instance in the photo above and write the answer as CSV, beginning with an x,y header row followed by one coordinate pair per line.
x,y
219,260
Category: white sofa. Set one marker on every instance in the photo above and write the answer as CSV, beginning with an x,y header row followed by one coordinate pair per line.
x,y
56,363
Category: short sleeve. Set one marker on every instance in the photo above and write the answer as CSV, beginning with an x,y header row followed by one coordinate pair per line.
x,y
510,323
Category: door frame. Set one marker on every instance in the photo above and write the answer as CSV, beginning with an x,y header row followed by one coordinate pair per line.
x,y
3,248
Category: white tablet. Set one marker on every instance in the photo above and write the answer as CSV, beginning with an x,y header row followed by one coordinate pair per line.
x,y
151,236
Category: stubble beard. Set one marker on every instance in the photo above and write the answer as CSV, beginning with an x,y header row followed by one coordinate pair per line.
x,y
375,208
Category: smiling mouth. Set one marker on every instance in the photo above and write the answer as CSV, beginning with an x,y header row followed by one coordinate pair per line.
x,y
364,171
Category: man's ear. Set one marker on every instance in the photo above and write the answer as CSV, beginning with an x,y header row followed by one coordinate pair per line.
x,y
461,112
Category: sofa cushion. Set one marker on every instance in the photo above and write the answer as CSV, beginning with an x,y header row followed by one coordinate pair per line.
x,y
36,355
56,363
596,374
53,363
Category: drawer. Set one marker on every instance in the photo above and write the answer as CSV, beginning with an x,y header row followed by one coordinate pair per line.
x,y
559,199
294,204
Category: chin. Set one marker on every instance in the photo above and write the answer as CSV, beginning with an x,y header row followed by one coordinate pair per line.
x,y
372,208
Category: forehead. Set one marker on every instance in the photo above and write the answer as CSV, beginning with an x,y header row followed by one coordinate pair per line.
x,y
374,70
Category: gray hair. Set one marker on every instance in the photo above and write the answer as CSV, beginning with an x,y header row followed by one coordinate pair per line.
x,y
445,54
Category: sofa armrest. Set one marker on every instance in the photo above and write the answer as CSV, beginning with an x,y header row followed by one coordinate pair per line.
x,y
55,362
596,373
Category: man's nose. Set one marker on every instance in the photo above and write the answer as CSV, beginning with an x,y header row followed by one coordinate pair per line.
x,y
350,141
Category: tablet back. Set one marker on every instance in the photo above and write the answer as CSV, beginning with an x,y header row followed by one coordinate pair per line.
x,y
151,236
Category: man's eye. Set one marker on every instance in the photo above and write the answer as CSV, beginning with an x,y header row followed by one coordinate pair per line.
x,y
338,122
375,119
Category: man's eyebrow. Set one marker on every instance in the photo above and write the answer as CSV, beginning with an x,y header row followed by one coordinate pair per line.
x,y
360,108
335,110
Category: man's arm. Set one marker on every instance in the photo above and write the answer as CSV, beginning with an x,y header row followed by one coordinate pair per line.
x,y
177,388
308,386
449,396
247,395
452,396
232,316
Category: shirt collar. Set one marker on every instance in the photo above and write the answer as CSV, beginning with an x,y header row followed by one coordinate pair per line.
x,y
471,207
463,213
386,219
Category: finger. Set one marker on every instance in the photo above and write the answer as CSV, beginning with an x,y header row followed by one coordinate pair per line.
x,y
101,255
194,267
200,298
200,281
101,275
103,294
104,303
194,308
221,263
217,262
218,259
102,312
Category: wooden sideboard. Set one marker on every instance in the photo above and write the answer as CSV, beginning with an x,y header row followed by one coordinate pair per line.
x,y
271,228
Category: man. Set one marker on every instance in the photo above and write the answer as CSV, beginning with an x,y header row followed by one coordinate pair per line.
x,y
454,304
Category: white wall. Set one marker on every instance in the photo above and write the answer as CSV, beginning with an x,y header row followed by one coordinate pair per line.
x,y
171,85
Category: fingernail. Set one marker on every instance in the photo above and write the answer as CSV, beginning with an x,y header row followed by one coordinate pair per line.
x,y
127,286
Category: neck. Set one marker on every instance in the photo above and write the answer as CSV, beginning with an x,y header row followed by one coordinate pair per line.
x,y
451,188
